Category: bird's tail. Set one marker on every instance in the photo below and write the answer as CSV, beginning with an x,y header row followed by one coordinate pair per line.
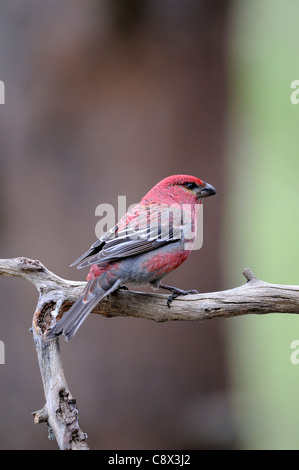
x,y
75,316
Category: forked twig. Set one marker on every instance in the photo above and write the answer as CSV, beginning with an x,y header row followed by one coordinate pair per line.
x,y
56,295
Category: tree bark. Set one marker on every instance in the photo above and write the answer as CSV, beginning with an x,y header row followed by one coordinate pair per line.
x,y
56,295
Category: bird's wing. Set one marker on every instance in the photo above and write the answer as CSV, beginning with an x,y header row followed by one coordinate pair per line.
x,y
142,229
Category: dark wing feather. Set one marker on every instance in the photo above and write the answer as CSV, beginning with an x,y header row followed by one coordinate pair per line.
x,y
138,236
96,247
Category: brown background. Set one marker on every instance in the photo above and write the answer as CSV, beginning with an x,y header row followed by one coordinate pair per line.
x,y
105,99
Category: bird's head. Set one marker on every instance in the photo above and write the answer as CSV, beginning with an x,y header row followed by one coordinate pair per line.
x,y
180,189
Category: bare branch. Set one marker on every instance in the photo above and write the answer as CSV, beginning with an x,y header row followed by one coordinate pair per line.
x,y
56,295
60,412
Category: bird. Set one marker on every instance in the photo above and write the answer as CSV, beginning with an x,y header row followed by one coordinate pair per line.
x,y
152,239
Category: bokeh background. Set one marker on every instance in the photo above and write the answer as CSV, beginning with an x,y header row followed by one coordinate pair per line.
x,y
105,98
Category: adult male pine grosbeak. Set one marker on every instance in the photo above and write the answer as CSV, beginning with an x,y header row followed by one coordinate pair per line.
x,y
150,241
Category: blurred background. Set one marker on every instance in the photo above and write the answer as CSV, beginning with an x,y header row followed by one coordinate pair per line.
x,y
106,98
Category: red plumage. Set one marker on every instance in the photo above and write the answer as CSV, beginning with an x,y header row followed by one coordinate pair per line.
x,y
151,240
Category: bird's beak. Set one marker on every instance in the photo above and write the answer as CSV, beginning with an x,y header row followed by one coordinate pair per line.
x,y
206,190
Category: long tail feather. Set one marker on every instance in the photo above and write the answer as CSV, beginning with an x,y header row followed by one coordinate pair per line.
x,y
73,319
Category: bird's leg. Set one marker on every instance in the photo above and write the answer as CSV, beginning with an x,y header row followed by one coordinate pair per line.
x,y
176,292
119,288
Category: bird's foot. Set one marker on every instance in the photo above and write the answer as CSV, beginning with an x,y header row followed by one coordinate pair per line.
x,y
176,292
119,288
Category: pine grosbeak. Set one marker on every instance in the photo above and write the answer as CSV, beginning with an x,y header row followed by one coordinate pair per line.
x,y
150,241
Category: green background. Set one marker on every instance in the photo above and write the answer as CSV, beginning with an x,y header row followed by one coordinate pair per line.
x,y
262,216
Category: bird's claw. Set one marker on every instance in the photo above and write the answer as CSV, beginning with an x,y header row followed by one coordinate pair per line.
x,y
179,292
119,288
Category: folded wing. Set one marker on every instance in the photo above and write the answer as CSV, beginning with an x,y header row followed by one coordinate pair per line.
x,y
142,229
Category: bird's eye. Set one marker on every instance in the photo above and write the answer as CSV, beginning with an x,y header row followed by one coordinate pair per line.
x,y
190,185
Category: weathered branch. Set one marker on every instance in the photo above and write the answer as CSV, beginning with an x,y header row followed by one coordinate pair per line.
x,y
56,295
60,412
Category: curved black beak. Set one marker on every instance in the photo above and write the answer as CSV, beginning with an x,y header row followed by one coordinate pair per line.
x,y
207,190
